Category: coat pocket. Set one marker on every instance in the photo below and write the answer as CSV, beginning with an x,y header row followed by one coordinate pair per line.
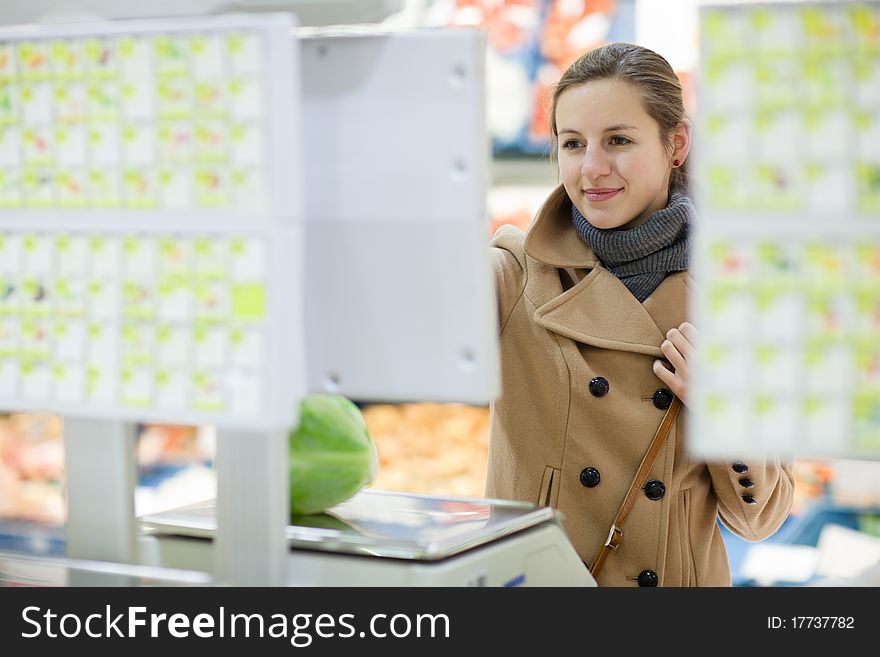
x,y
549,494
688,569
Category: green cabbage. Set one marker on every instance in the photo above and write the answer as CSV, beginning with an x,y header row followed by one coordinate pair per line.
x,y
332,456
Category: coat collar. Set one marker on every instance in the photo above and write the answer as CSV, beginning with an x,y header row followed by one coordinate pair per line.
x,y
599,310
552,238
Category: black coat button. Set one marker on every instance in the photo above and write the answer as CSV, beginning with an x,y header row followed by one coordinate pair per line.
x,y
599,386
745,482
648,578
749,499
655,489
590,477
662,399
740,467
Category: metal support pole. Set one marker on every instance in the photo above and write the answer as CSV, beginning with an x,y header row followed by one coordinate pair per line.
x,y
101,473
252,507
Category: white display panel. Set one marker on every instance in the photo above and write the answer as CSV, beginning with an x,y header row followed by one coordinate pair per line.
x,y
150,221
172,120
400,301
140,321
788,243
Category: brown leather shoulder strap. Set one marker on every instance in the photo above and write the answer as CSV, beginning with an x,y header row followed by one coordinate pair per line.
x,y
615,535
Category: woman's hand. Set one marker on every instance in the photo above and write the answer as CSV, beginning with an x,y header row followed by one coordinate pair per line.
x,y
678,347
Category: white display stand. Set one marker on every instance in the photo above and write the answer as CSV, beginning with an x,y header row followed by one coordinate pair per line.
x,y
151,260
192,201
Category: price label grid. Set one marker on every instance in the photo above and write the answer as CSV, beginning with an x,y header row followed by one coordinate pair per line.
x,y
787,261
161,121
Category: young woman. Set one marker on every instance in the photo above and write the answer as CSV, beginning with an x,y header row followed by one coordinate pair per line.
x,y
595,343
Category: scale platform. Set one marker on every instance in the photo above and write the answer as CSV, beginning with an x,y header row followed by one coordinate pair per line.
x,y
382,538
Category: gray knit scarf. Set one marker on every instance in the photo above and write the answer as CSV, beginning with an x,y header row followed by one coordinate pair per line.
x,y
643,256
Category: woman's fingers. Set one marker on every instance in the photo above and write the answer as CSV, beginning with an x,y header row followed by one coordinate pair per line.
x,y
689,332
675,356
678,348
681,342
669,378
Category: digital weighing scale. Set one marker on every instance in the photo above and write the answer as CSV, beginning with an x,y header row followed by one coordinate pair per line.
x,y
381,538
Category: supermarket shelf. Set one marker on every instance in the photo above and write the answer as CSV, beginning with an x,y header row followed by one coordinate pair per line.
x,y
522,171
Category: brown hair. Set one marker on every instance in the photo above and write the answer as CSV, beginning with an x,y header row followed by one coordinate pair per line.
x,y
648,72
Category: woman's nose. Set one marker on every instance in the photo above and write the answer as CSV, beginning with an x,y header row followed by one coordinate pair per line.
x,y
595,164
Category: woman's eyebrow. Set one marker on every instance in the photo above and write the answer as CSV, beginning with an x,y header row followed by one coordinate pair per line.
x,y
612,128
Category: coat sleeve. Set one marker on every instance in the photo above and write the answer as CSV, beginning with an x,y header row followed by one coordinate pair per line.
x,y
754,496
509,267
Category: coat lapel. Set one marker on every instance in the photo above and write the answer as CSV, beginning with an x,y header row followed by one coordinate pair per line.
x,y
599,310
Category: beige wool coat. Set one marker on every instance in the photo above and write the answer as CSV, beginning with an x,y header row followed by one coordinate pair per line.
x,y
566,320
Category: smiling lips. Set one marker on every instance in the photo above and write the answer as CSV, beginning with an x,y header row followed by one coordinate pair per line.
x,y
601,194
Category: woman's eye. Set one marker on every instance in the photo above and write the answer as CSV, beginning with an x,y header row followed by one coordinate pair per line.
x,y
617,140
570,144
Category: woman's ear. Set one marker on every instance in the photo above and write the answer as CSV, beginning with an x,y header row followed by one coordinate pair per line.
x,y
681,141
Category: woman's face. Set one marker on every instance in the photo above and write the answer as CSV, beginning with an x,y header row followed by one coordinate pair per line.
x,y
612,160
